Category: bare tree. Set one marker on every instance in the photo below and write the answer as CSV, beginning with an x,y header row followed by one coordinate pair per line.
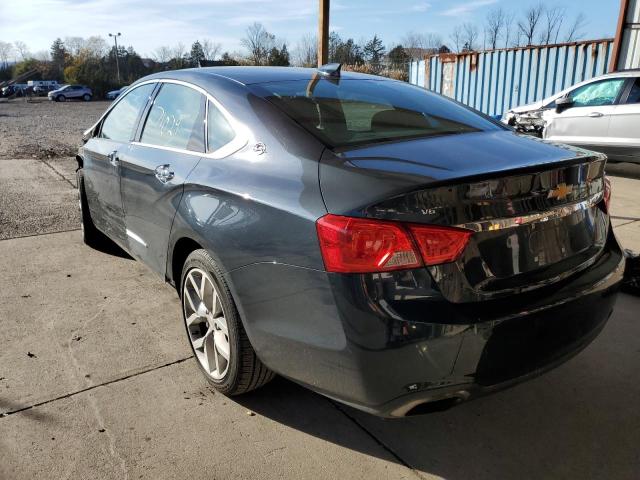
x,y
74,45
42,56
210,49
418,44
305,53
553,18
162,54
528,26
178,51
469,36
6,50
456,37
96,46
259,42
21,49
494,26
510,37
574,32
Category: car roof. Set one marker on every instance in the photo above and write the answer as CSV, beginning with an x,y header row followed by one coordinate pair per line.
x,y
635,72
252,75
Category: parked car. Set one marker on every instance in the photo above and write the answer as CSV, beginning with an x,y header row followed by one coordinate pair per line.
x,y
68,92
602,114
369,239
113,94
43,90
12,90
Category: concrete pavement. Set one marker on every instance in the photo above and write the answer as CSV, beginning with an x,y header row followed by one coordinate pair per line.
x,y
94,363
97,381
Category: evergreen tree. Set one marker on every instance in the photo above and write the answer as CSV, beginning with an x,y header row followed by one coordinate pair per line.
x,y
58,56
374,51
279,57
398,57
197,54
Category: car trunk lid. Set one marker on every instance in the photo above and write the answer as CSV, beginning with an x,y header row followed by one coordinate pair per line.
x,y
535,222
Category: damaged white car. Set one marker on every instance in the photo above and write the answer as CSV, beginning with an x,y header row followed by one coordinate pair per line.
x,y
602,114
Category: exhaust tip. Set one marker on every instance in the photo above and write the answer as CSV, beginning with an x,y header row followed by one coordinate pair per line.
x,y
434,406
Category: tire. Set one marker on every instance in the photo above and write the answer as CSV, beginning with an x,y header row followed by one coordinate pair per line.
x,y
243,371
61,98
86,97
91,236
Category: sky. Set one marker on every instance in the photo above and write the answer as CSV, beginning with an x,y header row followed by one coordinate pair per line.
x,y
146,25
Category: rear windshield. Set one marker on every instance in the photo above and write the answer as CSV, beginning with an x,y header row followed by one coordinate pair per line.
x,y
347,113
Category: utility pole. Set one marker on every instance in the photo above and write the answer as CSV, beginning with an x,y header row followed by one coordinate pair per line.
x,y
323,33
115,39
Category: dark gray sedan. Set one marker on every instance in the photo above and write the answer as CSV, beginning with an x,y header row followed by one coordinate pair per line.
x,y
371,240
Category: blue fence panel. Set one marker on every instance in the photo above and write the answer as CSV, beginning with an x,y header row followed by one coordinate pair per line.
x,y
494,81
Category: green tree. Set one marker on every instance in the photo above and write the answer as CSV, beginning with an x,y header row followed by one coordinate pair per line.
x,y
59,56
348,53
374,51
228,60
197,54
279,57
398,57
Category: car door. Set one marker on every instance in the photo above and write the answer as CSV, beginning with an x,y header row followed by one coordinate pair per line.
x,y
101,166
171,142
586,121
624,128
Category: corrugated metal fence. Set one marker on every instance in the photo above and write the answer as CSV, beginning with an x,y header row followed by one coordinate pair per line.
x,y
630,37
494,81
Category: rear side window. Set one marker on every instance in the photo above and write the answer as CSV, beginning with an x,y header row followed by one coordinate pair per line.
x,y
352,112
634,93
219,132
176,119
120,123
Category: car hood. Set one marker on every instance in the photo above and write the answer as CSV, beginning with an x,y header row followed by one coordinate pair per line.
x,y
387,169
528,107
57,90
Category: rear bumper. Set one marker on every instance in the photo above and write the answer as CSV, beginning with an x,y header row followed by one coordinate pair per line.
x,y
388,343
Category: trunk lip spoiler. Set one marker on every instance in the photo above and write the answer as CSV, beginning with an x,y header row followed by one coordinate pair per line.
x,y
510,222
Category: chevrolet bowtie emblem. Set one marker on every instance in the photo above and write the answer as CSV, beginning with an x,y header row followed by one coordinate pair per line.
x,y
561,191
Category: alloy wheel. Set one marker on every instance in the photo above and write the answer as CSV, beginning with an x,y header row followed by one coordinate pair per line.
x,y
206,323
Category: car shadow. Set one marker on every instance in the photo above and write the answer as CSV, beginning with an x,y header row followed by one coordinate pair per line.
x,y
109,247
578,421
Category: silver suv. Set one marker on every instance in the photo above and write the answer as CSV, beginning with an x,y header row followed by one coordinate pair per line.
x,y
602,114
67,92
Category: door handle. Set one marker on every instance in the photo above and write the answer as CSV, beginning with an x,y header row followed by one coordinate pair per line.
x,y
596,114
164,173
113,158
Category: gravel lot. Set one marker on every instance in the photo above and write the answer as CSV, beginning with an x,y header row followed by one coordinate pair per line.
x,y
43,129
38,143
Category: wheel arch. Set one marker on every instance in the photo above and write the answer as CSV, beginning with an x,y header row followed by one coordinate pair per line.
x,y
179,253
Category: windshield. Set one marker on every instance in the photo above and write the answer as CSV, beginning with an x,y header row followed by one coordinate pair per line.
x,y
345,113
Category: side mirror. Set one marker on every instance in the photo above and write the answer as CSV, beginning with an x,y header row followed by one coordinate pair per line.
x,y
563,103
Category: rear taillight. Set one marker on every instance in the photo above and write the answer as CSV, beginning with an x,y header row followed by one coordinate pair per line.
x,y
607,193
359,245
440,244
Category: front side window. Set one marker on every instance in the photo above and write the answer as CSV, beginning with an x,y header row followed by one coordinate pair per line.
x,y
176,119
597,94
354,112
219,132
120,123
